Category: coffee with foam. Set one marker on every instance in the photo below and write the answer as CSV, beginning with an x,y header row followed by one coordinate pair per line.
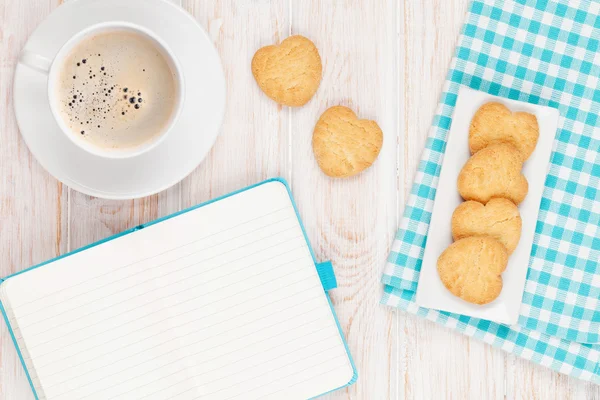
x,y
117,90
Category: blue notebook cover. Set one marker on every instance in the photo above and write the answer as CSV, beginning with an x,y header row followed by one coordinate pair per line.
x,y
324,269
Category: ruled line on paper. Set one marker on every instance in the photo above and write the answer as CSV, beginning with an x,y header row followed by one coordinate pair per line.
x,y
21,345
174,327
156,323
268,383
153,256
262,339
257,365
155,267
339,365
220,265
137,284
187,312
245,304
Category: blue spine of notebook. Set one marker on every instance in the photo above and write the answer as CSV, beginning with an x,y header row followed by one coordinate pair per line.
x,y
324,269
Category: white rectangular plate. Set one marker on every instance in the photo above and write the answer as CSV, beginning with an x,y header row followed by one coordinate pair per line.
x,y
431,293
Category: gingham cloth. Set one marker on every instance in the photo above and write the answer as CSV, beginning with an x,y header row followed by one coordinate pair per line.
x,y
543,52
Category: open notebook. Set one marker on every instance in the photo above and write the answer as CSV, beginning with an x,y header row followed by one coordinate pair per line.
x,y
221,301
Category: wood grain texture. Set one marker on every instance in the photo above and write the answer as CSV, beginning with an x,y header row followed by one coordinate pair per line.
x,y
253,143
384,59
91,219
458,366
352,221
525,380
33,206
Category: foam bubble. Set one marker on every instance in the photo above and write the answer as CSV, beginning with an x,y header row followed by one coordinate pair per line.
x,y
114,60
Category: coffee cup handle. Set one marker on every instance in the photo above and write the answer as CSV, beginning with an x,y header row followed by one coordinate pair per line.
x,y
35,61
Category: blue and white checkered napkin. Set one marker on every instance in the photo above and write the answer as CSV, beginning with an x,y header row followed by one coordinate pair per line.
x,y
543,52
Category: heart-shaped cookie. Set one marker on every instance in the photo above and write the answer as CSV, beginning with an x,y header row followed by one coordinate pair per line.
x,y
499,218
343,144
471,268
494,171
494,123
289,73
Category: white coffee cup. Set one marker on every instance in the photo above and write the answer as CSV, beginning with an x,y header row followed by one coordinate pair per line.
x,y
52,67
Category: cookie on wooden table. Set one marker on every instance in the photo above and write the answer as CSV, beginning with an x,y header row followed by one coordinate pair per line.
x,y
495,123
471,268
343,144
289,73
494,171
499,218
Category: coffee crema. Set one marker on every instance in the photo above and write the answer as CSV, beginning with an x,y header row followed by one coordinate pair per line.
x,y
116,90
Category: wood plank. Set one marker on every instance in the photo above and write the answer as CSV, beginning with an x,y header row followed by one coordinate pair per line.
x,y
33,206
448,363
92,219
526,380
253,143
385,60
352,221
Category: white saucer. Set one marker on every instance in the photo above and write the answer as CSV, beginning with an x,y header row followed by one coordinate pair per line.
x,y
189,140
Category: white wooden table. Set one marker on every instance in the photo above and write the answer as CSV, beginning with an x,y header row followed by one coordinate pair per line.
x,y
384,59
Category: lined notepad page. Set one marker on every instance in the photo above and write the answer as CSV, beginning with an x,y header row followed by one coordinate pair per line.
x,y
222,302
